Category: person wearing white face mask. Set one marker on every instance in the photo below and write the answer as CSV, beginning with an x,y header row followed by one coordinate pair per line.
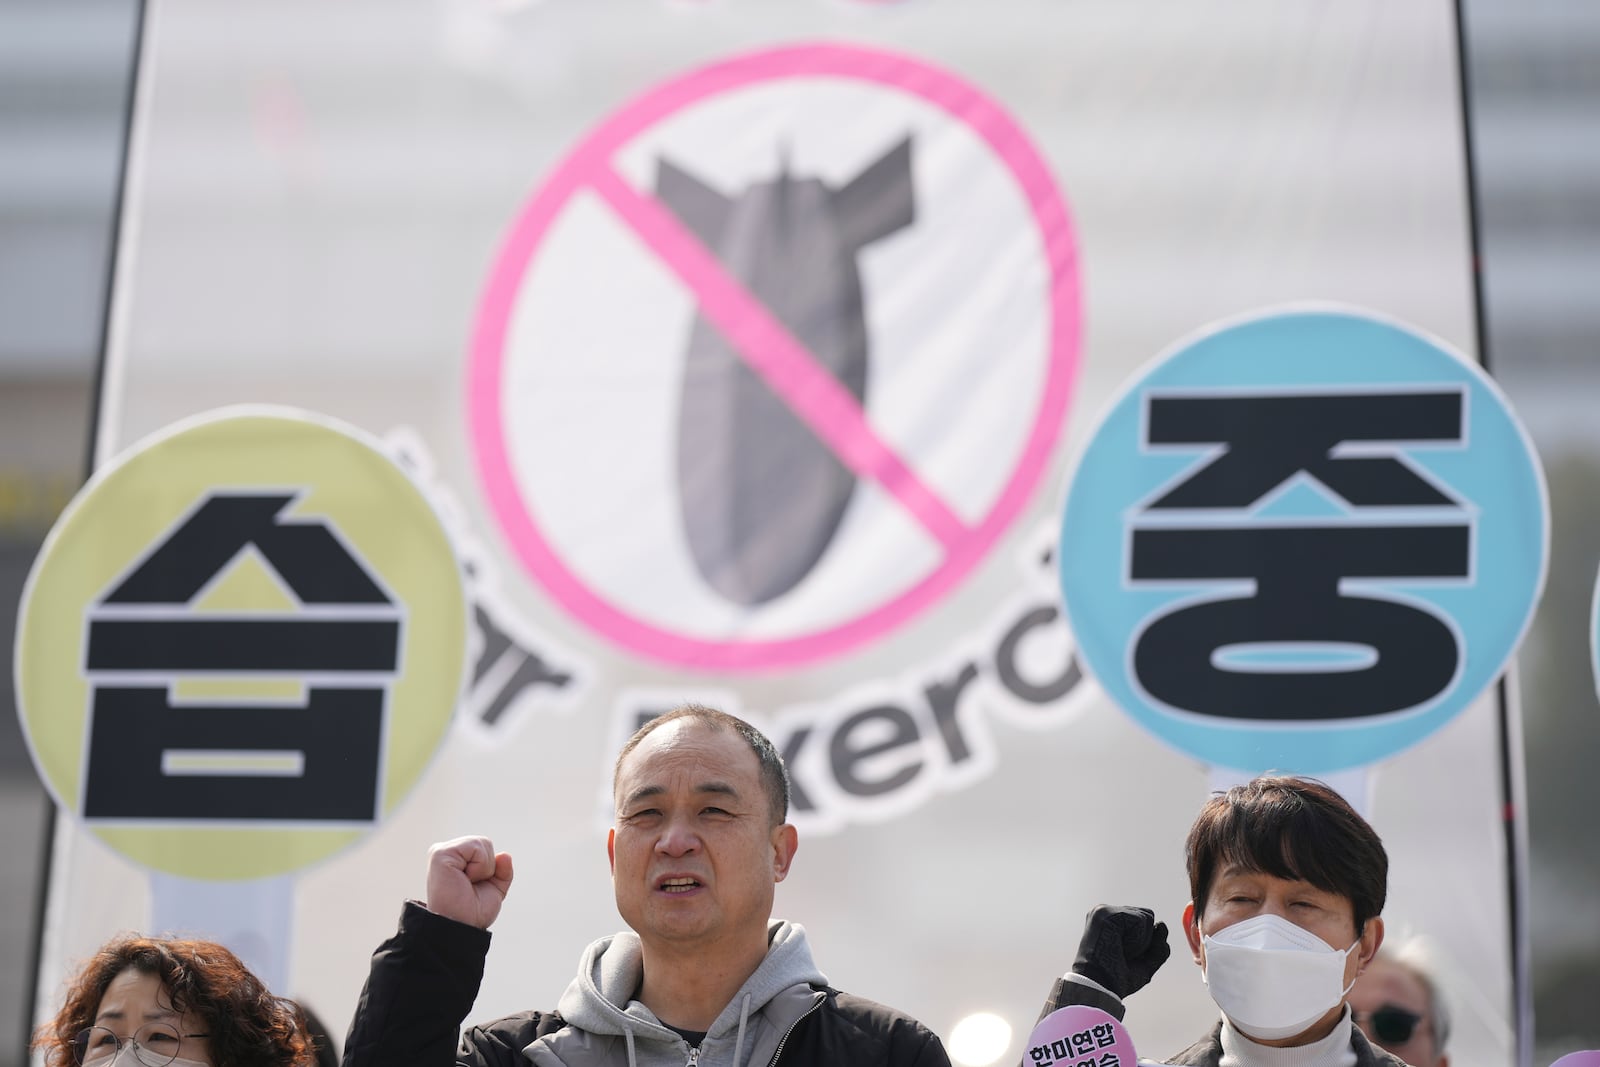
x,y
171,1002
1287,884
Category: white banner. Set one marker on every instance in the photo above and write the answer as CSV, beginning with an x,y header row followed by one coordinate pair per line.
x,y
744,352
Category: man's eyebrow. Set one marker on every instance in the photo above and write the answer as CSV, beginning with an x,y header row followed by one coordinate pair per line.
x,y
647,791
643,793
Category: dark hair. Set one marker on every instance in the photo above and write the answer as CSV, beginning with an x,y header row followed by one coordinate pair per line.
x,y
1293,828
247,1025
774,775
325,1050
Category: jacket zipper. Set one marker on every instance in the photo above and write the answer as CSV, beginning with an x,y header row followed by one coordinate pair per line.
x,y
779,1050
694,1056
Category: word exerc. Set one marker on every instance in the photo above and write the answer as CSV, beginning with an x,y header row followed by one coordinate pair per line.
x,y
886,747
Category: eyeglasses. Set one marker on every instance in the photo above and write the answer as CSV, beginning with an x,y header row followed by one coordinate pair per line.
x,y
156,1045
1391,1024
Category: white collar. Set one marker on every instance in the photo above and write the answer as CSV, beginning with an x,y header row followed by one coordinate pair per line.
x,y
1334,1050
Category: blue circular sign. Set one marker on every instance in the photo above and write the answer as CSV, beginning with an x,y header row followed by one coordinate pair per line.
x,y
1303,540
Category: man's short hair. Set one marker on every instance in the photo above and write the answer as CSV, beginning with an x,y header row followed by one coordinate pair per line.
x,y
774,775
1293,828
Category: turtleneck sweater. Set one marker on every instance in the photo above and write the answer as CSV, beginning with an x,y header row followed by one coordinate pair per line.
x,y
1334,1050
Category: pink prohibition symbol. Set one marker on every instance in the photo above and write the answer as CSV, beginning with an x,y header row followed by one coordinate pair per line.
x,y
754,331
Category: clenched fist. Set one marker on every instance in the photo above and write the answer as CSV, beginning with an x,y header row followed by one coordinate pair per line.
x,y
1122,948
468,880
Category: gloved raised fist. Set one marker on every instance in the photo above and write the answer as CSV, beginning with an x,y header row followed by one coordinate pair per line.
x,y
1122,948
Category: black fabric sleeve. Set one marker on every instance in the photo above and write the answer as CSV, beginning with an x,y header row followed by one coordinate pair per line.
x,y
421,986
1065,993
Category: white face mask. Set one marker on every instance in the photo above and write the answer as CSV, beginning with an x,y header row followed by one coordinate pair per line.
x,y
1271,978
126,1057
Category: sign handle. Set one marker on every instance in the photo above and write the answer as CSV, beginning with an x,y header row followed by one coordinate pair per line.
x,y
253,918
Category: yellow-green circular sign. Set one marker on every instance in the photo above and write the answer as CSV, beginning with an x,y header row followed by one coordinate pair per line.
x,y
241,645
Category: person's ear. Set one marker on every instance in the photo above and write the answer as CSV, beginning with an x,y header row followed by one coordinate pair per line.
x,y
1191,930
611,850
785,842
1371,938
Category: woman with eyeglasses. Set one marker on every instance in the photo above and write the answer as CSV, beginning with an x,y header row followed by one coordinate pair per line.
x,y
155,1002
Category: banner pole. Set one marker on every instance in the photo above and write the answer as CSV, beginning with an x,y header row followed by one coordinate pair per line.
x,y
50,822
1512,770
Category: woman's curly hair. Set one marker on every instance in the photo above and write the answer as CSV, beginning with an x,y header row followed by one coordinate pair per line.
x,y
247,1025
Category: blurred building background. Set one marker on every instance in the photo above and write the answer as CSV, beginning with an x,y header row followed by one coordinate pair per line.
x,y
1534,79
64,86
1534,76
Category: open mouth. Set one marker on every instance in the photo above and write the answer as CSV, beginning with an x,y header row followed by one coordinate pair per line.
x,y
678,885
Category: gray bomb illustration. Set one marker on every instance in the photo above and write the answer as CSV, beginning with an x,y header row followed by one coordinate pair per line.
x,y
761,495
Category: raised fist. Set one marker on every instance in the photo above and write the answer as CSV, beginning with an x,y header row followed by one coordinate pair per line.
x,y
468,880
1122,948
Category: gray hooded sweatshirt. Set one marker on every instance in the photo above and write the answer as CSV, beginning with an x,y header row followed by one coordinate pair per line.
x,y
609,1028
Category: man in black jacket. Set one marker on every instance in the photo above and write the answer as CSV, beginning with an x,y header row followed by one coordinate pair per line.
x,y
706,976
1287,882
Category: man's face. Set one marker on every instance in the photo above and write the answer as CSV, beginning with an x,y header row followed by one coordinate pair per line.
x,y
694,855
1383,987
1238,893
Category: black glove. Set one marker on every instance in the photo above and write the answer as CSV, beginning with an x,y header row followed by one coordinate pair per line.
x,y
1122,948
